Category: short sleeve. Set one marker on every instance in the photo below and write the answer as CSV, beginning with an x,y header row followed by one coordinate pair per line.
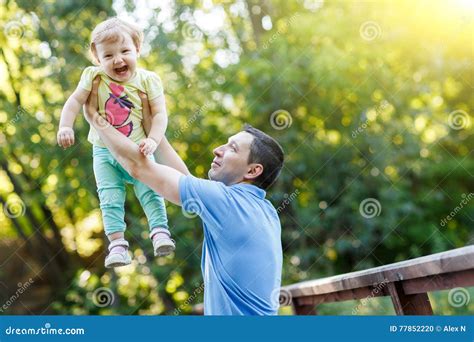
x,y
153,86
87,77
207,199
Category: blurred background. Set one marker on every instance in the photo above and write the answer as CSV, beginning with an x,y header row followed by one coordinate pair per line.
x,y
371,100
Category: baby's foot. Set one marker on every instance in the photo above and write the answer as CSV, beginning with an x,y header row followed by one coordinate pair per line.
x,y
162,243
118,254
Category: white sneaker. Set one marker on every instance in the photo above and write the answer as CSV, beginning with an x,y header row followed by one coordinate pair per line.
x,y
116,259
163,245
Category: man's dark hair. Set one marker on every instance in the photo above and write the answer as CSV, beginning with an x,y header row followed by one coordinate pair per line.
x,y
266,151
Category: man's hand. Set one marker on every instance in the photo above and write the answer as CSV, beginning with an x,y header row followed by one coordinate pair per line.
x,y
65,137
91,107
148,146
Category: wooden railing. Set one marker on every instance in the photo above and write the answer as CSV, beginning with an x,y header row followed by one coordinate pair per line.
x,y
407,283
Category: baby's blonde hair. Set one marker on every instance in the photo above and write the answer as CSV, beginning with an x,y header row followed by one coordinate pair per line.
x,y
113,29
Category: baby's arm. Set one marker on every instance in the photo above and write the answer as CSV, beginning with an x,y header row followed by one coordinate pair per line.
x,y
69,113
158,124
165,154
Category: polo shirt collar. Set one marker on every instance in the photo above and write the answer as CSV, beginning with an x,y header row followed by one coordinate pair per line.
x,y
253,189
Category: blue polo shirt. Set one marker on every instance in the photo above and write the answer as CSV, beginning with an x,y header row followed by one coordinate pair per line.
x,y
242,253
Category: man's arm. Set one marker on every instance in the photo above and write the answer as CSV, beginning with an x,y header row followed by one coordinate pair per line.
x,y
165,154
162,179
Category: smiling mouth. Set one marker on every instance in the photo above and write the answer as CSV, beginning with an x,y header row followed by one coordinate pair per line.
x,y
121,70
215,164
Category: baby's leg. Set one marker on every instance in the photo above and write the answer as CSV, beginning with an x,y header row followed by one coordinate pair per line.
x,y
111,190
155,211
152,204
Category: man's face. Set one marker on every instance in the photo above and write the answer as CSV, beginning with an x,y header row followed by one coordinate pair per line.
x,y
230,164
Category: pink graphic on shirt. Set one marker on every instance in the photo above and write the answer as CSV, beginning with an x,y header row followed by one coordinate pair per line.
x,y
118,109
126,130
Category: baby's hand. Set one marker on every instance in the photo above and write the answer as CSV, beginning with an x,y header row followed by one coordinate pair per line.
x,y
148,146
65,137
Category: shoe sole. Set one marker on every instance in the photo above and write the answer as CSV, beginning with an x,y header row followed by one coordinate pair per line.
x,y
117,264
164,251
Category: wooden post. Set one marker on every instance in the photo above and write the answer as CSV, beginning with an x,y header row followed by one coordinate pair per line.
x,y
303,309
414,304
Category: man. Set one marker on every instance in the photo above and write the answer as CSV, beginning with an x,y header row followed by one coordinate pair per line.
x,y
242,253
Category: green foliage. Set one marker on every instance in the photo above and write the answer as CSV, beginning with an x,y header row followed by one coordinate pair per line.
x,y
368,88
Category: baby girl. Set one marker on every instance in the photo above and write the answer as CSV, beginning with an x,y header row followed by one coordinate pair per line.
x,y
115,47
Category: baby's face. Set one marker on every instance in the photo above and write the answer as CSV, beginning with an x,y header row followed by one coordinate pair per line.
x,y
119,58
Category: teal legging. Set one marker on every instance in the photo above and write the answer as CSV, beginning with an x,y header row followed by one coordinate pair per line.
x,y
111,178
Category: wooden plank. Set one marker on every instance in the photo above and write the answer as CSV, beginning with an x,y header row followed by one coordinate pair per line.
x,y
341,296
439,282
335,284
408,296
413,286
451,261
404,304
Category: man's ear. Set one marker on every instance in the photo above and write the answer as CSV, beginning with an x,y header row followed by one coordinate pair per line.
x,y
253,171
